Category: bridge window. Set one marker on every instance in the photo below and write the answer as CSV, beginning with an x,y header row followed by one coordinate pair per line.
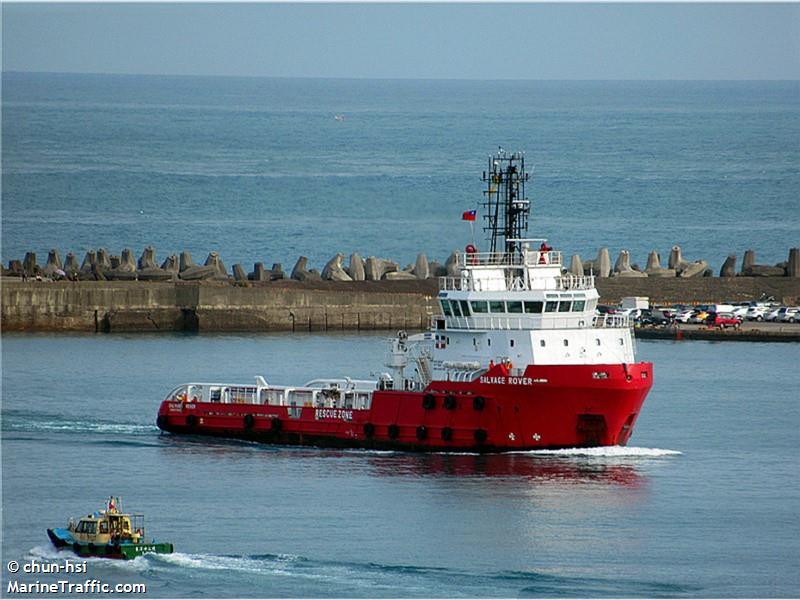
x,y
551,306
533,307
564,305
480,306
464,307
514,307
497,306
578,305
446,308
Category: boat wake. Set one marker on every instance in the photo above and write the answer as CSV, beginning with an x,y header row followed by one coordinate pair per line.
x,y
56,425
605,452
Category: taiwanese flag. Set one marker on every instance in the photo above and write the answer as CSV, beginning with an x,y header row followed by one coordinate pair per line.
x,y
468,215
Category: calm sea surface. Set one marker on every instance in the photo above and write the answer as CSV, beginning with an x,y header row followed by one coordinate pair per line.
x,y
259,169
705,502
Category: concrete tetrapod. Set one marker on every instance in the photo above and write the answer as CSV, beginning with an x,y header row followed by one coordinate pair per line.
x,y
300,273
53,268
103,259
334,271
654,268
259,273
575,265
356,268
793,264
451,265
622,268
421,269
29,264
71,266
215,260
277,272
126,269
728,267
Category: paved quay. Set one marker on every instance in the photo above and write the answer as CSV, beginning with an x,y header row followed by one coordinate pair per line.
x,y
749,331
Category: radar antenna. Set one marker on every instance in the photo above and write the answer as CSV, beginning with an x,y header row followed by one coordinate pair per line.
x,y
506,206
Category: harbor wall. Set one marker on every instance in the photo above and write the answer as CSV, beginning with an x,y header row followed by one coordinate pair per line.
x,y
128,306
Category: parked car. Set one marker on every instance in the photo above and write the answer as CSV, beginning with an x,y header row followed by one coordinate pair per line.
x,y
662,316
722,320
757,312
740,311
792,315
775,314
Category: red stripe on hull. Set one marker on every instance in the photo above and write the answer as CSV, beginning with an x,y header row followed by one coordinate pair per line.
x,y
554,406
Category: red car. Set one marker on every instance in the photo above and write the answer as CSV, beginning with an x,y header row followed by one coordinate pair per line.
x,y
723,320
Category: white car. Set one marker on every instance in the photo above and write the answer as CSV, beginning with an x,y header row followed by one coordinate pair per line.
x,y
775,314
740,311
792,315
757,312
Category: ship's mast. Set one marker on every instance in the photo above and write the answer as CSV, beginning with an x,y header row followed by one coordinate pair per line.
x,y
505,203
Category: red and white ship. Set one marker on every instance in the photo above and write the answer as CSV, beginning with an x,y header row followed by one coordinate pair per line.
x,y
518,359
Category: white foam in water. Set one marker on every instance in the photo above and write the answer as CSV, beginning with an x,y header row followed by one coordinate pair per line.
x,y
606,452
84,427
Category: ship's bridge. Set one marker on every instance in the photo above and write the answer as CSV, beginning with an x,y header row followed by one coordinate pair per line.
x,y
527,270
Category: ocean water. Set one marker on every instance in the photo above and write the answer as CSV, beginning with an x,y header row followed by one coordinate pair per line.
x,y
704,503
259,170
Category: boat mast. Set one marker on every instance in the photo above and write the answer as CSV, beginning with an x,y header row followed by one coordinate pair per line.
x,y
505,203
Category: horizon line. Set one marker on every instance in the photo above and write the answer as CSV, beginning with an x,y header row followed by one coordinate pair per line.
x,y
386,78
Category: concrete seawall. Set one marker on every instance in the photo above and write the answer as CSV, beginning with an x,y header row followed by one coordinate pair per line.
x,y
126,306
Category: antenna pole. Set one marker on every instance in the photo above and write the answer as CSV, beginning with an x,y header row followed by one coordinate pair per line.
x,y
506,206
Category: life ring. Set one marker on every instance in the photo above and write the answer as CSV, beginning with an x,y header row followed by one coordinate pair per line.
x,y
191,421
480,435
162,421
478,402
394,431
429,402
276,424
447,434
450,402
249,422
369,430
422,432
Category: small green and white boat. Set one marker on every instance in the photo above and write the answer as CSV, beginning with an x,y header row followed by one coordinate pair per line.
x,y
108,533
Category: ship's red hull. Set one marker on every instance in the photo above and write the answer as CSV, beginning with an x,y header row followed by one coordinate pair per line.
x,y
554,406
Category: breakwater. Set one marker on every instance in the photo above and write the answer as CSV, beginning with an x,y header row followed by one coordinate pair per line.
x,y
312,305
